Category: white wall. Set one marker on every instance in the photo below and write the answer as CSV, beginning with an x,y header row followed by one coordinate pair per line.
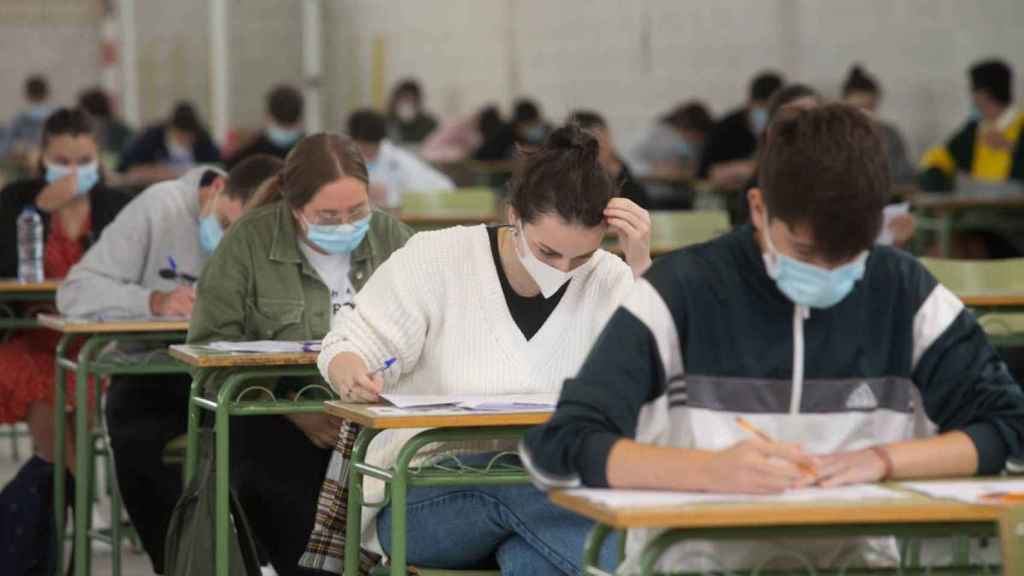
x,y
633,60
630,59
56,37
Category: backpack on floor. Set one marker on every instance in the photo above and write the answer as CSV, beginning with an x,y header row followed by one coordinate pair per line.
x,y
26,521
189,549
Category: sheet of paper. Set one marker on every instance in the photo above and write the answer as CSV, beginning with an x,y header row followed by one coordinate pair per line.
x,y
267,346
657,498
891,211
479,403
969,491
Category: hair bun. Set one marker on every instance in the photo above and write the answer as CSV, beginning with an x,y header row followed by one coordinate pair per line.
x,y
573,138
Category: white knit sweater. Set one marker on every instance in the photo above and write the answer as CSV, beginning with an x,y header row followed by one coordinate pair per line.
x,y
436,305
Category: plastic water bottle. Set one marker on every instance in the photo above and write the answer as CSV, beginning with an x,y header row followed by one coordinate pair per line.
x,y
30,246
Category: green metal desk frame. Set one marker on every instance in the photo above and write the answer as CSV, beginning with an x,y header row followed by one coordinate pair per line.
x,y
403,476
907,533
85,365
232,401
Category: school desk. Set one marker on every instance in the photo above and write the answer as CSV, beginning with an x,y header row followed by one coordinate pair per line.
x,y
442,425
96,335
236,384
939,212
13,291
916,516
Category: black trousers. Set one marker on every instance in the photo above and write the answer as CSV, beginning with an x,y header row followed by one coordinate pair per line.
x,y
276,471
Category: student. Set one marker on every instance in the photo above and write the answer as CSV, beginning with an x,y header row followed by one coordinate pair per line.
x,y
75,206
728,158
528,128
113,134
23,135
986,152
283,126
492,311
862,91
675,142
408,121
456,140
280,274
609,157
393,171
988,147
168,149
124,275
800,325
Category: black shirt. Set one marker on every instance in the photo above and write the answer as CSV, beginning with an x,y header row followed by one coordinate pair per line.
x,y
731,139
151,148
104,204
528,313
260,145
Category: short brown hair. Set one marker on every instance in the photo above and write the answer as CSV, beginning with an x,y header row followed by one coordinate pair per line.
x,y
826,168
563,177
314,161
249,174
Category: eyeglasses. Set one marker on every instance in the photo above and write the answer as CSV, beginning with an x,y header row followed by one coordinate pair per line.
x,y
334,218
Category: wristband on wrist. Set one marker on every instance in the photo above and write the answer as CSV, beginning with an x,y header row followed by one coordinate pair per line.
x,y
886,459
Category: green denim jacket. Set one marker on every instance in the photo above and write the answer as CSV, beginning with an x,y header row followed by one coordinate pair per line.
x,y
259,286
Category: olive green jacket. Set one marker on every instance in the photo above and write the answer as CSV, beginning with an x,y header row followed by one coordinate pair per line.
x,y
259,286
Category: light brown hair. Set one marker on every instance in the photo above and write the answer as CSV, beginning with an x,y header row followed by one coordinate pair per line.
x,y
315,160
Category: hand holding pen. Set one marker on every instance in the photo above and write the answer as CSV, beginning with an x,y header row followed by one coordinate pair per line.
x,y
758,466
354,381
177,302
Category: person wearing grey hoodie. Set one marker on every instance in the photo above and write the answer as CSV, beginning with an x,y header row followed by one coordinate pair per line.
x,y
145,264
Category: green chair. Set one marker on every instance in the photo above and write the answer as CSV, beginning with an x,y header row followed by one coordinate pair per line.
x,y
671,230
980,277
475,200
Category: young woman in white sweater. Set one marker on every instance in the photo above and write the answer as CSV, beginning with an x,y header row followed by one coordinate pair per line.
x,y
478,310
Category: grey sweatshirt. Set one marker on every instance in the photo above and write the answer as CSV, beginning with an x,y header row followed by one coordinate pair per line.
x,y
117,275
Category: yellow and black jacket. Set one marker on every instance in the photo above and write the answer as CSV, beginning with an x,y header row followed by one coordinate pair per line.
x,y
966,152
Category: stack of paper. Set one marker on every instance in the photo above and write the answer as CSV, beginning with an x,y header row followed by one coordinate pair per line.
x,y
971,491
267,346
541,402
659,499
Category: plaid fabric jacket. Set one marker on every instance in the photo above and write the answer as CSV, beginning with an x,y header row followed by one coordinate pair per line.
x,y
326,547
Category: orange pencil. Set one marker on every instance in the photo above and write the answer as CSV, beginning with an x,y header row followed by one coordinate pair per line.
x,y
750,428
1004,497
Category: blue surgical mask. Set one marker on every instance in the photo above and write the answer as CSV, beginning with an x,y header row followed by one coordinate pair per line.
x,y
373,165
535,134
88,175
682,149
973,113
808,285
340,238
210,233
39,112
282,137
759,119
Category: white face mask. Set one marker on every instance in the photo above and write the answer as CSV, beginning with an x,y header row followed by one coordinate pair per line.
x,y
547,277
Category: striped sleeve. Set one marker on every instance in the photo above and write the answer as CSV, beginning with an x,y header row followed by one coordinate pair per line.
x,y
637,352
964,384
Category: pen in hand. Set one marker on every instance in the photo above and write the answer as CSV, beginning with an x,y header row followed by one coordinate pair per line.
x,y
760,435
383,368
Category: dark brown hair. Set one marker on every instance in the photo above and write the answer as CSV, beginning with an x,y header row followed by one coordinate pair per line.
x,y
285,104
858,80
314,161
826,168
250,174
693,116
67,122
562,177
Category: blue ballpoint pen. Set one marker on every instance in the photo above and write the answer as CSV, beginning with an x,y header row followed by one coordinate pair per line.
x,y
387,364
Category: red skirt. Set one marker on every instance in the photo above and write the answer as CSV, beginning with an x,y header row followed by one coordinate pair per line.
x,y
27,371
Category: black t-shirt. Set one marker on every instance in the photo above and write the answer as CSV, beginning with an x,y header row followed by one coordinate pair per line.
x,y
731,139
529,313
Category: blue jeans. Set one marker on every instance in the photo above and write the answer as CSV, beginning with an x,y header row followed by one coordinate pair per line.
x,y
472,527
